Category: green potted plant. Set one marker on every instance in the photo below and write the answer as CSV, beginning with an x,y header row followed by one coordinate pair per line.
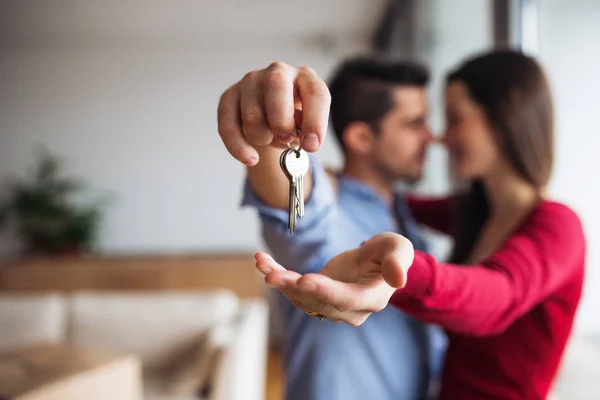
x,y
46,218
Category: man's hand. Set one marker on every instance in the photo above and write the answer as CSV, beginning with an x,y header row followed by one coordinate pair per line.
x,y
260,114
270,104
352,285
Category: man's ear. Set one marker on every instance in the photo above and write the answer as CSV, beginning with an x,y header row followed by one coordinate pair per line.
x,y
359,138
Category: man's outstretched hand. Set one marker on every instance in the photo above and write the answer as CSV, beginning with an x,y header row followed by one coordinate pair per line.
x,y
267,110
267,106
352,285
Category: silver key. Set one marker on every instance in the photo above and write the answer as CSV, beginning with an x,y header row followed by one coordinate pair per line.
x,y
293,206
295,164
292,193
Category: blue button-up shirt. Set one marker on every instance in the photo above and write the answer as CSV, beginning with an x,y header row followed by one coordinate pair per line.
x,y
389,357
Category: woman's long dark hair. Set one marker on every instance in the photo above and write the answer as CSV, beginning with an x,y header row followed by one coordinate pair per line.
x,y
514,93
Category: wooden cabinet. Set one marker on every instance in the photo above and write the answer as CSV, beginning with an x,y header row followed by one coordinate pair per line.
x,y
192,272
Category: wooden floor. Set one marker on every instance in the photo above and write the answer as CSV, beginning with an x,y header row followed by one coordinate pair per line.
x,y
275,379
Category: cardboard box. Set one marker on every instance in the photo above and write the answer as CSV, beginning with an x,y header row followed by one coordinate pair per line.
x,y
63,372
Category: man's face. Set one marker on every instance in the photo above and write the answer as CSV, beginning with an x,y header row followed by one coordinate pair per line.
x,y
400,145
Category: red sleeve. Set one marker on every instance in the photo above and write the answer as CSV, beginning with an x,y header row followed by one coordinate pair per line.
x,y
436,213
486,299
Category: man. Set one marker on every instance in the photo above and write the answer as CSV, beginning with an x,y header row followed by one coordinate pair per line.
x,y
378,113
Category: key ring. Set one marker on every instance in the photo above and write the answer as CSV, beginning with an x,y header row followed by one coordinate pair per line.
x,y
296,150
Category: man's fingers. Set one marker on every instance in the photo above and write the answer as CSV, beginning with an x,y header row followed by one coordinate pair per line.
x,y
230,128
393,253
289,284
283,280
266,264
395,265
316,101
278,89
371,296
261,255
263,104
254,116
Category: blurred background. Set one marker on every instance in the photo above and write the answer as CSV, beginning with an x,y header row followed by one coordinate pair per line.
x,y
122,95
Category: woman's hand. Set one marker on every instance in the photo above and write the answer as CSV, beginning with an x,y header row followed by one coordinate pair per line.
x,y
352,285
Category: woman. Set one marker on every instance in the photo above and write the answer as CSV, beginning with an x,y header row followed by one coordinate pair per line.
x,y
510,294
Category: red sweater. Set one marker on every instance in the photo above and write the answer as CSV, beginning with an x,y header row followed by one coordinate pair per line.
x,y
508,319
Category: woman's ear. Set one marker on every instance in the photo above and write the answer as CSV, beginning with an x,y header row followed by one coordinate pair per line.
x,y
359,138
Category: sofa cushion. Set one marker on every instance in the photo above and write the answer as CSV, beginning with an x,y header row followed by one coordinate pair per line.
x,y
28,319
244,359
193,372
157,327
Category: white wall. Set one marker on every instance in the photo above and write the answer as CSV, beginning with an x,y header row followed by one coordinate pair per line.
x,y
457,29
127,93
569,48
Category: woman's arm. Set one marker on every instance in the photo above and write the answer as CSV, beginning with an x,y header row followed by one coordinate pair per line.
x,y
436,213
486,299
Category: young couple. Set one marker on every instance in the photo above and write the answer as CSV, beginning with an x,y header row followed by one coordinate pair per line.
x,y
508,296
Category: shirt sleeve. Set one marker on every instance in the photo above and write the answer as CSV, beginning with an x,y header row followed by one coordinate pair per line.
x,y
319,234
486,299
434,212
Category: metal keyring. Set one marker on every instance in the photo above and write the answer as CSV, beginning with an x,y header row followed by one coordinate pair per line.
x,y
295,150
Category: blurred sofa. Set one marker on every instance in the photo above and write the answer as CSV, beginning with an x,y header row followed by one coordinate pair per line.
x,y
191,345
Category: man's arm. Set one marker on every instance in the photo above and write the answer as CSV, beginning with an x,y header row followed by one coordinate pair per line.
x,y
322,233
257,117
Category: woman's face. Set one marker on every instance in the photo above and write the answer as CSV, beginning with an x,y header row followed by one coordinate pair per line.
x,y
469,138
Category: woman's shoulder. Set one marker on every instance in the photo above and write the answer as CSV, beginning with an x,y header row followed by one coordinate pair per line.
x,y
556,212
552,235
558,220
